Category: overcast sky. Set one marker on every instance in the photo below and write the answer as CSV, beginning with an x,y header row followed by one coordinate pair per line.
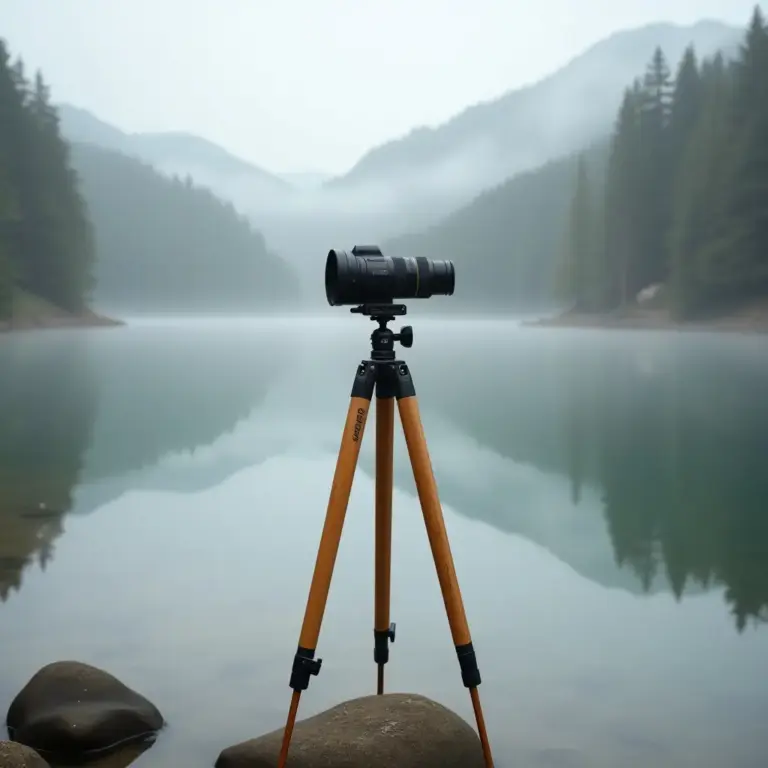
x,y
295,85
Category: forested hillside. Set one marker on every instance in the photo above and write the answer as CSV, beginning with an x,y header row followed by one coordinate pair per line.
x,y
676,194
166,244
46,242
684,200
506,243
80,223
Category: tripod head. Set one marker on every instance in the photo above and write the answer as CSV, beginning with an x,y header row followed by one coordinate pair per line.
x,y
383,339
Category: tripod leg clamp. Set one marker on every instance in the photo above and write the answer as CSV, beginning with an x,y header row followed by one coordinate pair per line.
x,y
381,643
470,674
305,665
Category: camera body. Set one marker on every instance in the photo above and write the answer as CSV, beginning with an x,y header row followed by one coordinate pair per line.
x,y
365,275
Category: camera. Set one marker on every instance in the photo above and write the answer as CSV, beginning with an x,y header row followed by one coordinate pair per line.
x,y
365,275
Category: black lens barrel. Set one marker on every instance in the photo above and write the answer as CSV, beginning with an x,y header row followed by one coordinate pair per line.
x,y
365,276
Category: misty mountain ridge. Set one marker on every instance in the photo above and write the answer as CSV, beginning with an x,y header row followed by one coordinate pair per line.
x,y
175,153
167,245
409,184
528,126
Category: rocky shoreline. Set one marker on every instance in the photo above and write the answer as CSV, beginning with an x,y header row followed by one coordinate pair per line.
x,y
76,714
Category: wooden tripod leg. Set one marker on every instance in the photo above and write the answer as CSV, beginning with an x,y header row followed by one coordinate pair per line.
x,y
426,488
304,663
383,631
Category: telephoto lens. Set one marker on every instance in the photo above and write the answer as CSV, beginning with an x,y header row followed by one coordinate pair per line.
x,y
365,276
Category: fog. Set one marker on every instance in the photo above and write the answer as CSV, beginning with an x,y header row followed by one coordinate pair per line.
x,y
413,183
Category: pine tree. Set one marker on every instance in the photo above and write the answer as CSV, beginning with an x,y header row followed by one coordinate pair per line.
x,y
655,171
685,110
46,245
748,197
7,222
62,253
593,276
575,275
12,130
699,221
686,190
623,200
599,294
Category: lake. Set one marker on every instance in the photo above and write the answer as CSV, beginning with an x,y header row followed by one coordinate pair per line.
x,y
163,487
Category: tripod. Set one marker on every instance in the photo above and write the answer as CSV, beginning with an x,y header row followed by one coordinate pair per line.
x,y
391,380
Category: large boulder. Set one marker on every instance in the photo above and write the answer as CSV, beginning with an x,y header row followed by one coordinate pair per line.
x,y
396,729
14,755
70,710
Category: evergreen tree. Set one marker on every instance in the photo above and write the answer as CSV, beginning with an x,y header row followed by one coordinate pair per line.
x,y
686,187
700,227
7,220
654,171
62,255
623,208
46,245
11,133
575,275
686,106
599,289
747,203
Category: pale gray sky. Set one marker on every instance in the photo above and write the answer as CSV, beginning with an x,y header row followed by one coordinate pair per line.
x,y
296,85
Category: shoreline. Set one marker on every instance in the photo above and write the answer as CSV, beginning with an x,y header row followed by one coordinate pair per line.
x,y
87,319
656,320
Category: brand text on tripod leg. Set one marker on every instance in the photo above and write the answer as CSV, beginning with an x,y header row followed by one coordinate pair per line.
x,y
359,421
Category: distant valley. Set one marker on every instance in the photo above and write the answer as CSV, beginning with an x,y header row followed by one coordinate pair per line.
x,y
417,192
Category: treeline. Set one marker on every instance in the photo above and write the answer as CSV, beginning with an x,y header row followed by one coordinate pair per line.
x,y
167,244
78,223
503,244
46,242
683,203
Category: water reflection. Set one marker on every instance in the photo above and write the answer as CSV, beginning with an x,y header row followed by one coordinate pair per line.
x,y
635,458
165,390
614,465
666,437
47,408
85,415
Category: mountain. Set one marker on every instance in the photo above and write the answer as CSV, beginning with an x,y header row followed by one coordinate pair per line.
x,y
518,228
166,244
410,184
175,153
487,143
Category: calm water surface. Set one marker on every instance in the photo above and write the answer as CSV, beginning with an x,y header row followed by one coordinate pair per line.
x,y
163,487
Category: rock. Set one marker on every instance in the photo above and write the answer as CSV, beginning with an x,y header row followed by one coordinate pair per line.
x,y
651,294
69,710
396,729
14,755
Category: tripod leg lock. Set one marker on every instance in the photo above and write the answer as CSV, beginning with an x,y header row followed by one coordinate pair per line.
x,y
305,665
470,674
381,643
